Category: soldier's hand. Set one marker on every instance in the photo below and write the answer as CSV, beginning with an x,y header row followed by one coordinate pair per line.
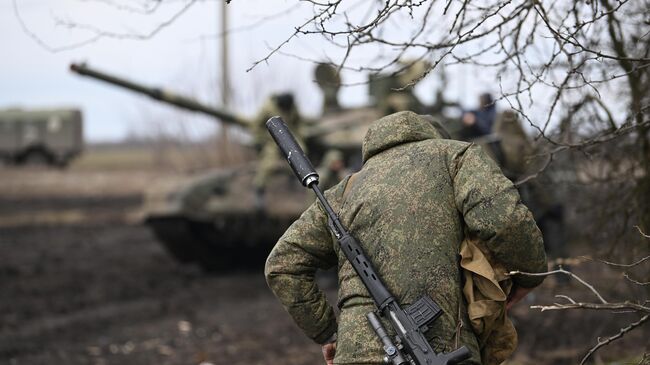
x,y
469,119
516,294
329,350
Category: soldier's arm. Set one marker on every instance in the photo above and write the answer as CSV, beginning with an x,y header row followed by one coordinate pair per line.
x,y
290,268
493,211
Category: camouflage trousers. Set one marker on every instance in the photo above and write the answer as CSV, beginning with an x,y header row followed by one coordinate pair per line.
x,y
269,162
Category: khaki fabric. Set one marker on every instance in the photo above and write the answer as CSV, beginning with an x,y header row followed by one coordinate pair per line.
x,y
486,289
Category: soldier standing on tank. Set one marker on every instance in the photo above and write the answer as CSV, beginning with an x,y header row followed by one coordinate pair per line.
x,y
332,169
399,96
410,206
270,161
479,122
329,82
517,151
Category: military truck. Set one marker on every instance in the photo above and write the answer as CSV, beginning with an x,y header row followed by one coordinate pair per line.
x,y
40,137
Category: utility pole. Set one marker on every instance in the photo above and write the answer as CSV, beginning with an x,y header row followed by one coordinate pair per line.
x,y
225,80
224,142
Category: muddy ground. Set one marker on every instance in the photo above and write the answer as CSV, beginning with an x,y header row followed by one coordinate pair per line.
x,y
81,282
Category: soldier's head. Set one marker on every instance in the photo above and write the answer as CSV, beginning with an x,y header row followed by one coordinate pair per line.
x,y
486,100
329,81
284,101
334,160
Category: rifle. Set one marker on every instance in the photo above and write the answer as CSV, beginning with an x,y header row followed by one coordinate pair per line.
x,y
410,346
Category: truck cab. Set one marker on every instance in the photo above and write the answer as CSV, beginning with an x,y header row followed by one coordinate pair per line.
x,y
40,137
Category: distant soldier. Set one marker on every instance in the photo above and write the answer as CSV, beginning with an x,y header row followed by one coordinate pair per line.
x,y
332,169
516,148
329,81
479,122
518,162
282,105
398,94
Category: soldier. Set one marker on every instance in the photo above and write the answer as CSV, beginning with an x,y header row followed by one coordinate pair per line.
x,y
329,81
410,207
518,162
332,169
395,93
269,157
479,122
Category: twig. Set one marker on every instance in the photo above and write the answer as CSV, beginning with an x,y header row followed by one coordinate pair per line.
x,y
611,339
627,276
626,265
595,306
640,231
99,34
565,272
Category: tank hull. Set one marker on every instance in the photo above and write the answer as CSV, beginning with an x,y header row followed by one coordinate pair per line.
x,y
229,242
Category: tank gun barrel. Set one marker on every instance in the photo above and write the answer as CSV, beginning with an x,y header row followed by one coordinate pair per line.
x,y
161,95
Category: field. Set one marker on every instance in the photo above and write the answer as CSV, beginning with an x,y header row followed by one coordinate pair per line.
x,y
83,282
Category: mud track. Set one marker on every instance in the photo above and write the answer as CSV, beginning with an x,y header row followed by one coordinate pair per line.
x,y
108,294
81,283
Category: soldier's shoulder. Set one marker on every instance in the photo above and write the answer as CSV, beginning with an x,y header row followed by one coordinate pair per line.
x,y
336,192
447,146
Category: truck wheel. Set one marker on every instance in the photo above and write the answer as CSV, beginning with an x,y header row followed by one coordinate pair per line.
x,y
37,158
62,163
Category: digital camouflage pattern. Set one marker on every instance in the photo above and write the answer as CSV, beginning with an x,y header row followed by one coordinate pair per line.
x,y
409,207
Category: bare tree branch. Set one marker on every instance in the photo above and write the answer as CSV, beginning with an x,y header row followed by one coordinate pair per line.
x,y
608,340
564,272
99,33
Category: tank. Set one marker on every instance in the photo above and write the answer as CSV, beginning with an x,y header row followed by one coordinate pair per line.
x,y
217,219
212,219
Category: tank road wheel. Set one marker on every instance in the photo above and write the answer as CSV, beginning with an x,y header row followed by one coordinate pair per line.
x,y
176,237
62,163
214,256
193,242
240,242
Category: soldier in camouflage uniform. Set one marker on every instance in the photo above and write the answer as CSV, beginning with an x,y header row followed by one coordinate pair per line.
x,y
332,169
269,157
399,88
518,163
479,122
410,207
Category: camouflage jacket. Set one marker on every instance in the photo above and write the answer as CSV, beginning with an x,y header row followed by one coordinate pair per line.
x,y
409,207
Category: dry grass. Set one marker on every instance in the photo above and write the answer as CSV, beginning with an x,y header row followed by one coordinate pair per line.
x,y
168,156
126,158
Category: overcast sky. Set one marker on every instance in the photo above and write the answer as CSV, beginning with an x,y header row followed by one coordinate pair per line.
x,y
183,57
